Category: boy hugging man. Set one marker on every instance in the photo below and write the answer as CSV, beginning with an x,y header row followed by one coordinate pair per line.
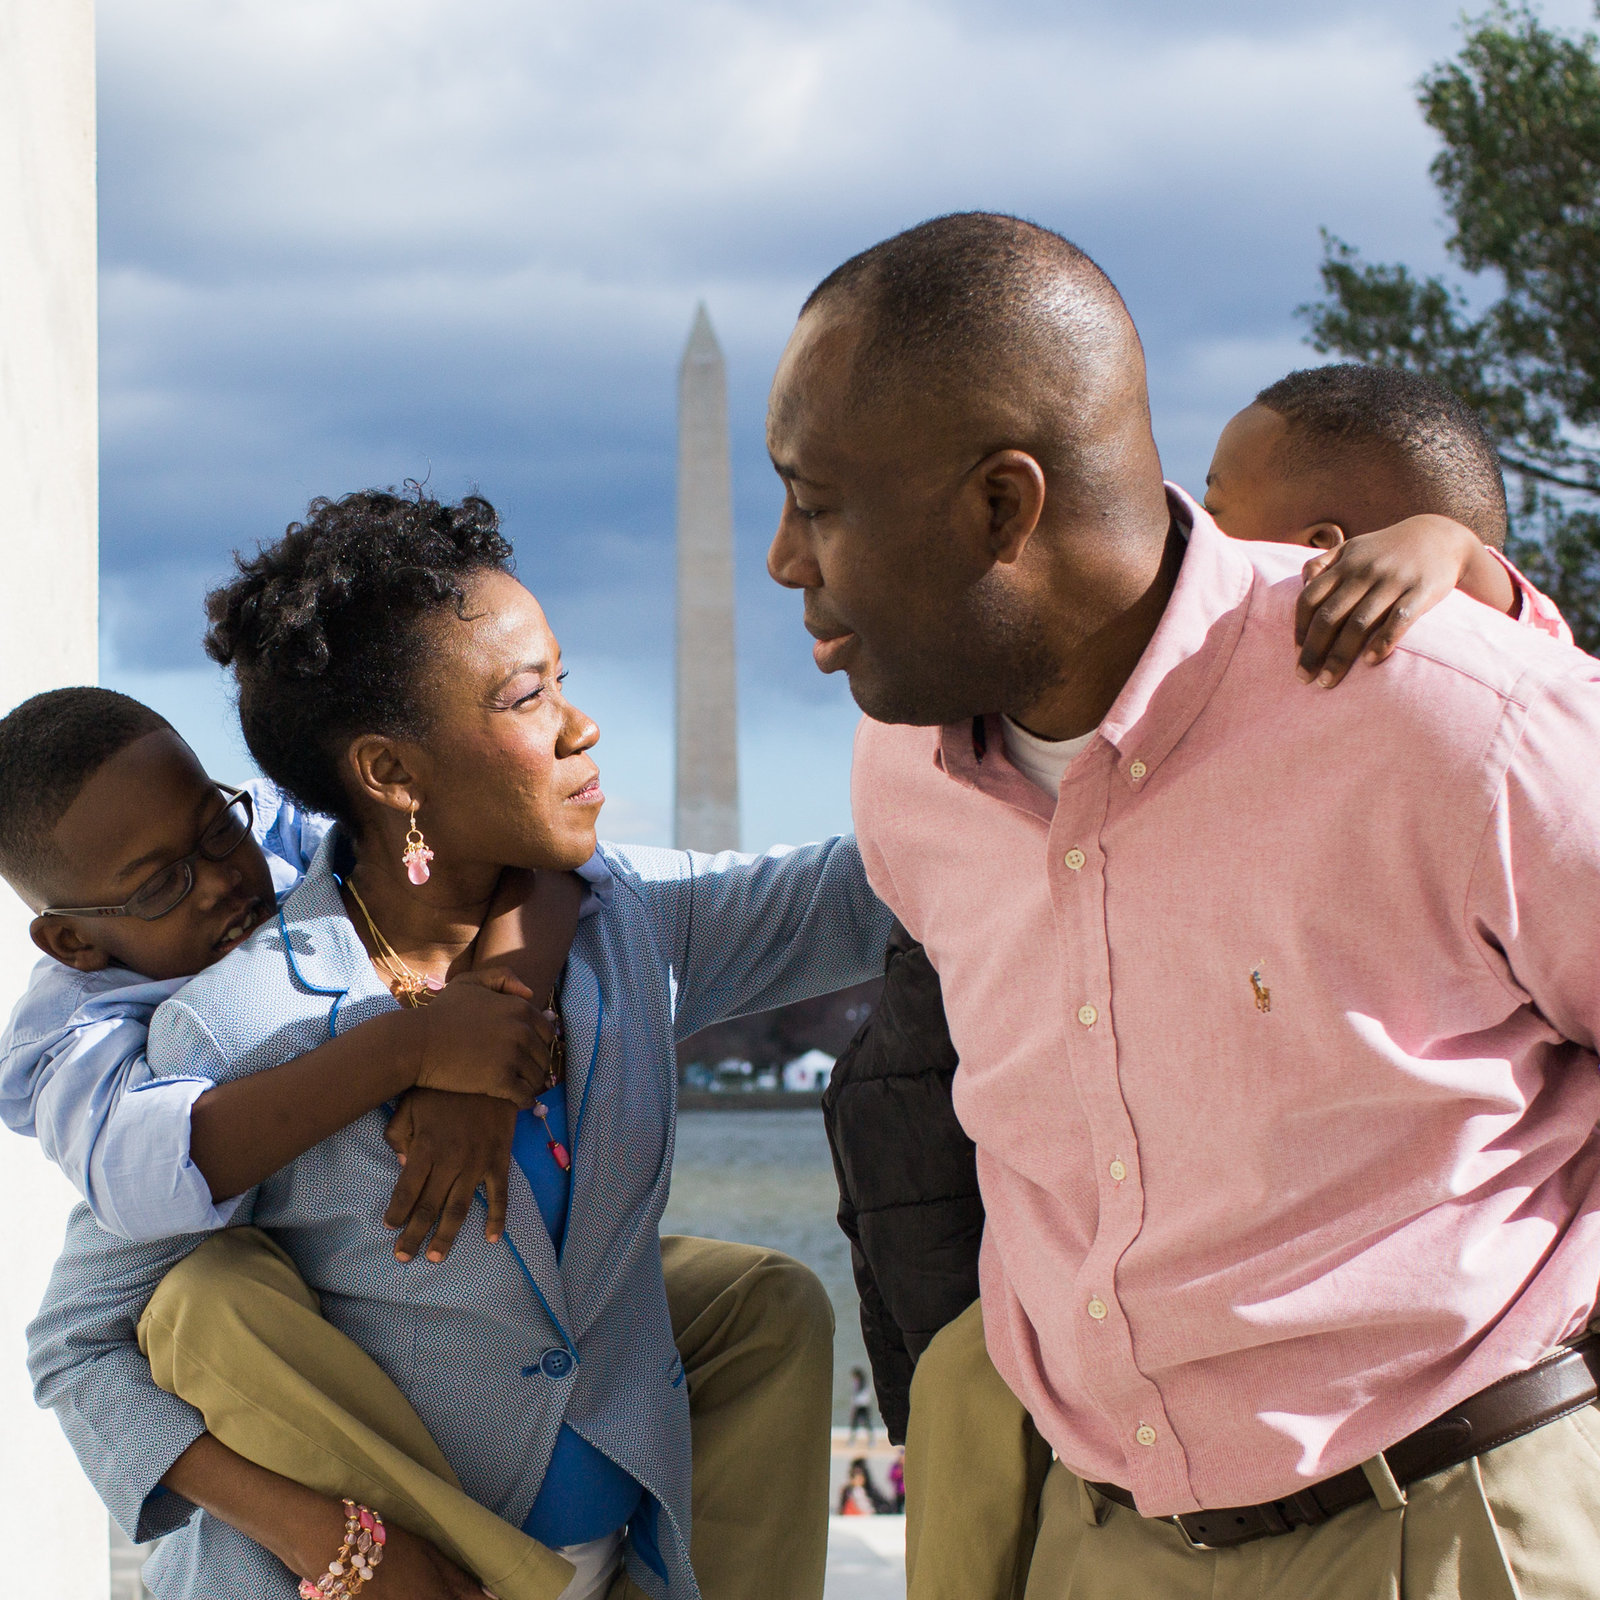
x,y
1392,480
1393,461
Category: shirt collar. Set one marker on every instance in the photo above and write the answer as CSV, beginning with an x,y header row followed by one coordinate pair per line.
x,y
1173,680
598,885
321,945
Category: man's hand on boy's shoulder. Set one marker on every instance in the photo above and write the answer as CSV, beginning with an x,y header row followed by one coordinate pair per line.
x,y
1361,597
448,1144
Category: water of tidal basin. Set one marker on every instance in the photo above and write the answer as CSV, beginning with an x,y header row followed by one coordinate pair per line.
x,y
765,1177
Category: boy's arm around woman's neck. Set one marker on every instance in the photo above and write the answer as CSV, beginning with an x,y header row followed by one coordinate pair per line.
x,y
474,1039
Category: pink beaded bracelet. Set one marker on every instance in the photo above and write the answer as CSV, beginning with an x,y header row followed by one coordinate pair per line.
x,y
357,1560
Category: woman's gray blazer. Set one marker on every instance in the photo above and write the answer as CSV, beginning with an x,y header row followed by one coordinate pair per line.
x,y
500,1344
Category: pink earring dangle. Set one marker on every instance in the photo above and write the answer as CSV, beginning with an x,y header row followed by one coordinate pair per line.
x,y
417,855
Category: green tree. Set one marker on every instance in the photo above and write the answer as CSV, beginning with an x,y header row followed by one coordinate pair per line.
x,y
1518,111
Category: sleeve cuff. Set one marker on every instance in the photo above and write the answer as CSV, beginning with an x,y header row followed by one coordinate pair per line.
x,y
128,1451
163,1512
144,1185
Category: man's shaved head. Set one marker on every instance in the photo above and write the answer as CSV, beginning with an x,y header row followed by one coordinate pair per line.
x,y
1004,327
962,424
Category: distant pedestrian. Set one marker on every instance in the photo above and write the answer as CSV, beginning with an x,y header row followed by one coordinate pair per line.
x,y
897,1480
860,1496
860,1405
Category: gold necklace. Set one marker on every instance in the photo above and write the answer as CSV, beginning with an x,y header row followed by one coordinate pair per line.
x,y
411,987
416,989
558,1045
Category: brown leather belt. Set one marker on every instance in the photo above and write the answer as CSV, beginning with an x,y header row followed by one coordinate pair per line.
x,y
1564,1382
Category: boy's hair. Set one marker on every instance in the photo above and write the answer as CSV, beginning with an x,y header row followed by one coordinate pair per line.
x,y
1339,415
50,746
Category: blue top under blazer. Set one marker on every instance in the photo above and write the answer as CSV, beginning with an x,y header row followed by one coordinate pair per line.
x,y
502,1343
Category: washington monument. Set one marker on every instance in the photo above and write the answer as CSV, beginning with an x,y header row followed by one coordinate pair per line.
x,y
706,808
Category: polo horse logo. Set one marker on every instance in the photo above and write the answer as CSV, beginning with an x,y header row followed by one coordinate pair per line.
x,y
1263,993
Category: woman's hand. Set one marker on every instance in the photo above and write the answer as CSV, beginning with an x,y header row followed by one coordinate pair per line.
x,y
412,1569
304,1529
1361,597
448,1144
483,1035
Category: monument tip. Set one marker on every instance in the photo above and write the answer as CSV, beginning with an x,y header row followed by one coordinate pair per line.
x,y
702,343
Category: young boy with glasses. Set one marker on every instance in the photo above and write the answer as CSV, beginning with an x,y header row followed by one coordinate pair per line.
x,y
142,872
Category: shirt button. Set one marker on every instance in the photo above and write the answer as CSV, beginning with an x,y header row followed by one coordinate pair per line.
x,y
1075,859
1146,1435
1119,1170
1088,1016
555,1363
1137,770
1097,1309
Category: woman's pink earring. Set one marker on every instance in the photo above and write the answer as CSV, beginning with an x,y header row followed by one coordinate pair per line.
x,y
417,855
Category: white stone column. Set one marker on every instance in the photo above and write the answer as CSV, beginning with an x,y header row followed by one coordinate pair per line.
x,y
55,1541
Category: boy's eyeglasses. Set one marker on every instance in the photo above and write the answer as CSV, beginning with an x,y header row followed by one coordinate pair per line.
x,y
166,888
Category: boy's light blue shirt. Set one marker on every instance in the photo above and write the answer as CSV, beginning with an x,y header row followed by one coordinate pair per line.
x,y
73,1072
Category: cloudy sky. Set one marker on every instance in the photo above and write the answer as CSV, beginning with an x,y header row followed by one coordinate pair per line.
x,y
350,242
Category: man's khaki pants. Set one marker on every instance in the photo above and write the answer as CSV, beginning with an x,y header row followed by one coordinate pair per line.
x,y
975,1465
234,1330
1518,1523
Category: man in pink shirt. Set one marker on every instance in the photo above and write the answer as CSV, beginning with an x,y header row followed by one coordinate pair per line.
x,y
1276,1018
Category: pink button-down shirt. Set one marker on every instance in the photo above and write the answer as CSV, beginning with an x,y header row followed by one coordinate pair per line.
x,y
1277,1031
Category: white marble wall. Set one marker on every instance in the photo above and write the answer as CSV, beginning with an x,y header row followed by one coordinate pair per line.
x,y
56,1543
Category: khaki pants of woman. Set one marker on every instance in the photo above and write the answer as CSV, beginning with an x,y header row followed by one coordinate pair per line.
x,y
234,1330
1518,1523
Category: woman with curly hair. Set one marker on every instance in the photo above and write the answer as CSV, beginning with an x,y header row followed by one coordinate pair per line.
x,y
578,1375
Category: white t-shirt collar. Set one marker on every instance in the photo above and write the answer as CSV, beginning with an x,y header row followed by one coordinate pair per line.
x,y
1043,762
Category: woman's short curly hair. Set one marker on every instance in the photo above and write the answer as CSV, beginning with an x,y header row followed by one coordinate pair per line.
x,y
326,630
